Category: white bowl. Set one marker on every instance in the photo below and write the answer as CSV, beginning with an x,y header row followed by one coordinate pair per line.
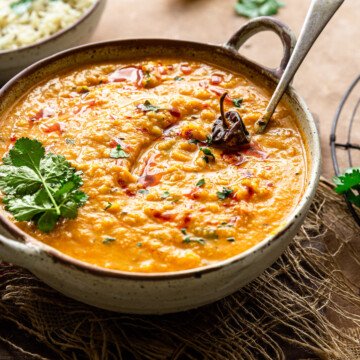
x,y
13,61
159,293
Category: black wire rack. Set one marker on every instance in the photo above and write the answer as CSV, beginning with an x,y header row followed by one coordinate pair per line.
x,y
344,127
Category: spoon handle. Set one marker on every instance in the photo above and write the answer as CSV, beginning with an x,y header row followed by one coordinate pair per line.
x,y
319,14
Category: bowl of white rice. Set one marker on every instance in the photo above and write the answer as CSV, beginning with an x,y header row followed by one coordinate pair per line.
x,y
33,29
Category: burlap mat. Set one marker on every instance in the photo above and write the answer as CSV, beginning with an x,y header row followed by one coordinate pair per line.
x,y
306,306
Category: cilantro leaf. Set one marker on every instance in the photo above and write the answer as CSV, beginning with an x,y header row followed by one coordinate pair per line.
x,y
47,221
209,156
200,183
350,179
147,106
108,240
18,180
349,183
118,153
25,208
39,187
193,141
255,8
27,153
209,140
224,193
143,191
165,195
188,240
237,102
55,166
108,206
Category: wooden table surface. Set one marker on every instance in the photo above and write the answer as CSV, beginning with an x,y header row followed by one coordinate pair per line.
x,y
331,65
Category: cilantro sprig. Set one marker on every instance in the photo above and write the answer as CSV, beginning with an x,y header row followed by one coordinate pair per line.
x,y
255,8
349,183
39,187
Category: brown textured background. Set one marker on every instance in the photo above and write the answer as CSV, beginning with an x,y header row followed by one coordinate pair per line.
x,y
331,65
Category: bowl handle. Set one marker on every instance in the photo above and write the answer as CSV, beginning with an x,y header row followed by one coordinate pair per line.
x,y
266,23
16,252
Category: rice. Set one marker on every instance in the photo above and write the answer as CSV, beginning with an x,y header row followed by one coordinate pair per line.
x,y
25,22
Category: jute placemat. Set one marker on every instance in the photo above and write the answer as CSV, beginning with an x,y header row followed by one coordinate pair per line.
x,y
306,306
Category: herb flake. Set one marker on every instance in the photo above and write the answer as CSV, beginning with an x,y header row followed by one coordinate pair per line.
x,y
200,183
143,191
108,206
147,106
118,153
188,240
237,102
224,193
108,240
165,195
209,156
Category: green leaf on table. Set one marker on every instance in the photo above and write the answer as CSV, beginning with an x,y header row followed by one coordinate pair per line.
x,y
21,6
255,8
349,183
39,187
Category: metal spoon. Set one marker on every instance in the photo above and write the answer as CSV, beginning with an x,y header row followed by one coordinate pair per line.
x,y
319,14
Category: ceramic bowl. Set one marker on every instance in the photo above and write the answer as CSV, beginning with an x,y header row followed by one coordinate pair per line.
x,y
158,293
13,61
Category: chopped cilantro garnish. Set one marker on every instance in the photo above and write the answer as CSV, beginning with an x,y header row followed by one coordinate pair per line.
x,y
209,156
70,141
118,153
139,244
349,183
108,206
193,141
200,183
224,193
165,195
147,106
209,140
237,102
39,187
178,78
188,240
143,191
108,240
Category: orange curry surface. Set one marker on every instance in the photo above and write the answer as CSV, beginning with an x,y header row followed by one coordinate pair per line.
x,y
161,209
